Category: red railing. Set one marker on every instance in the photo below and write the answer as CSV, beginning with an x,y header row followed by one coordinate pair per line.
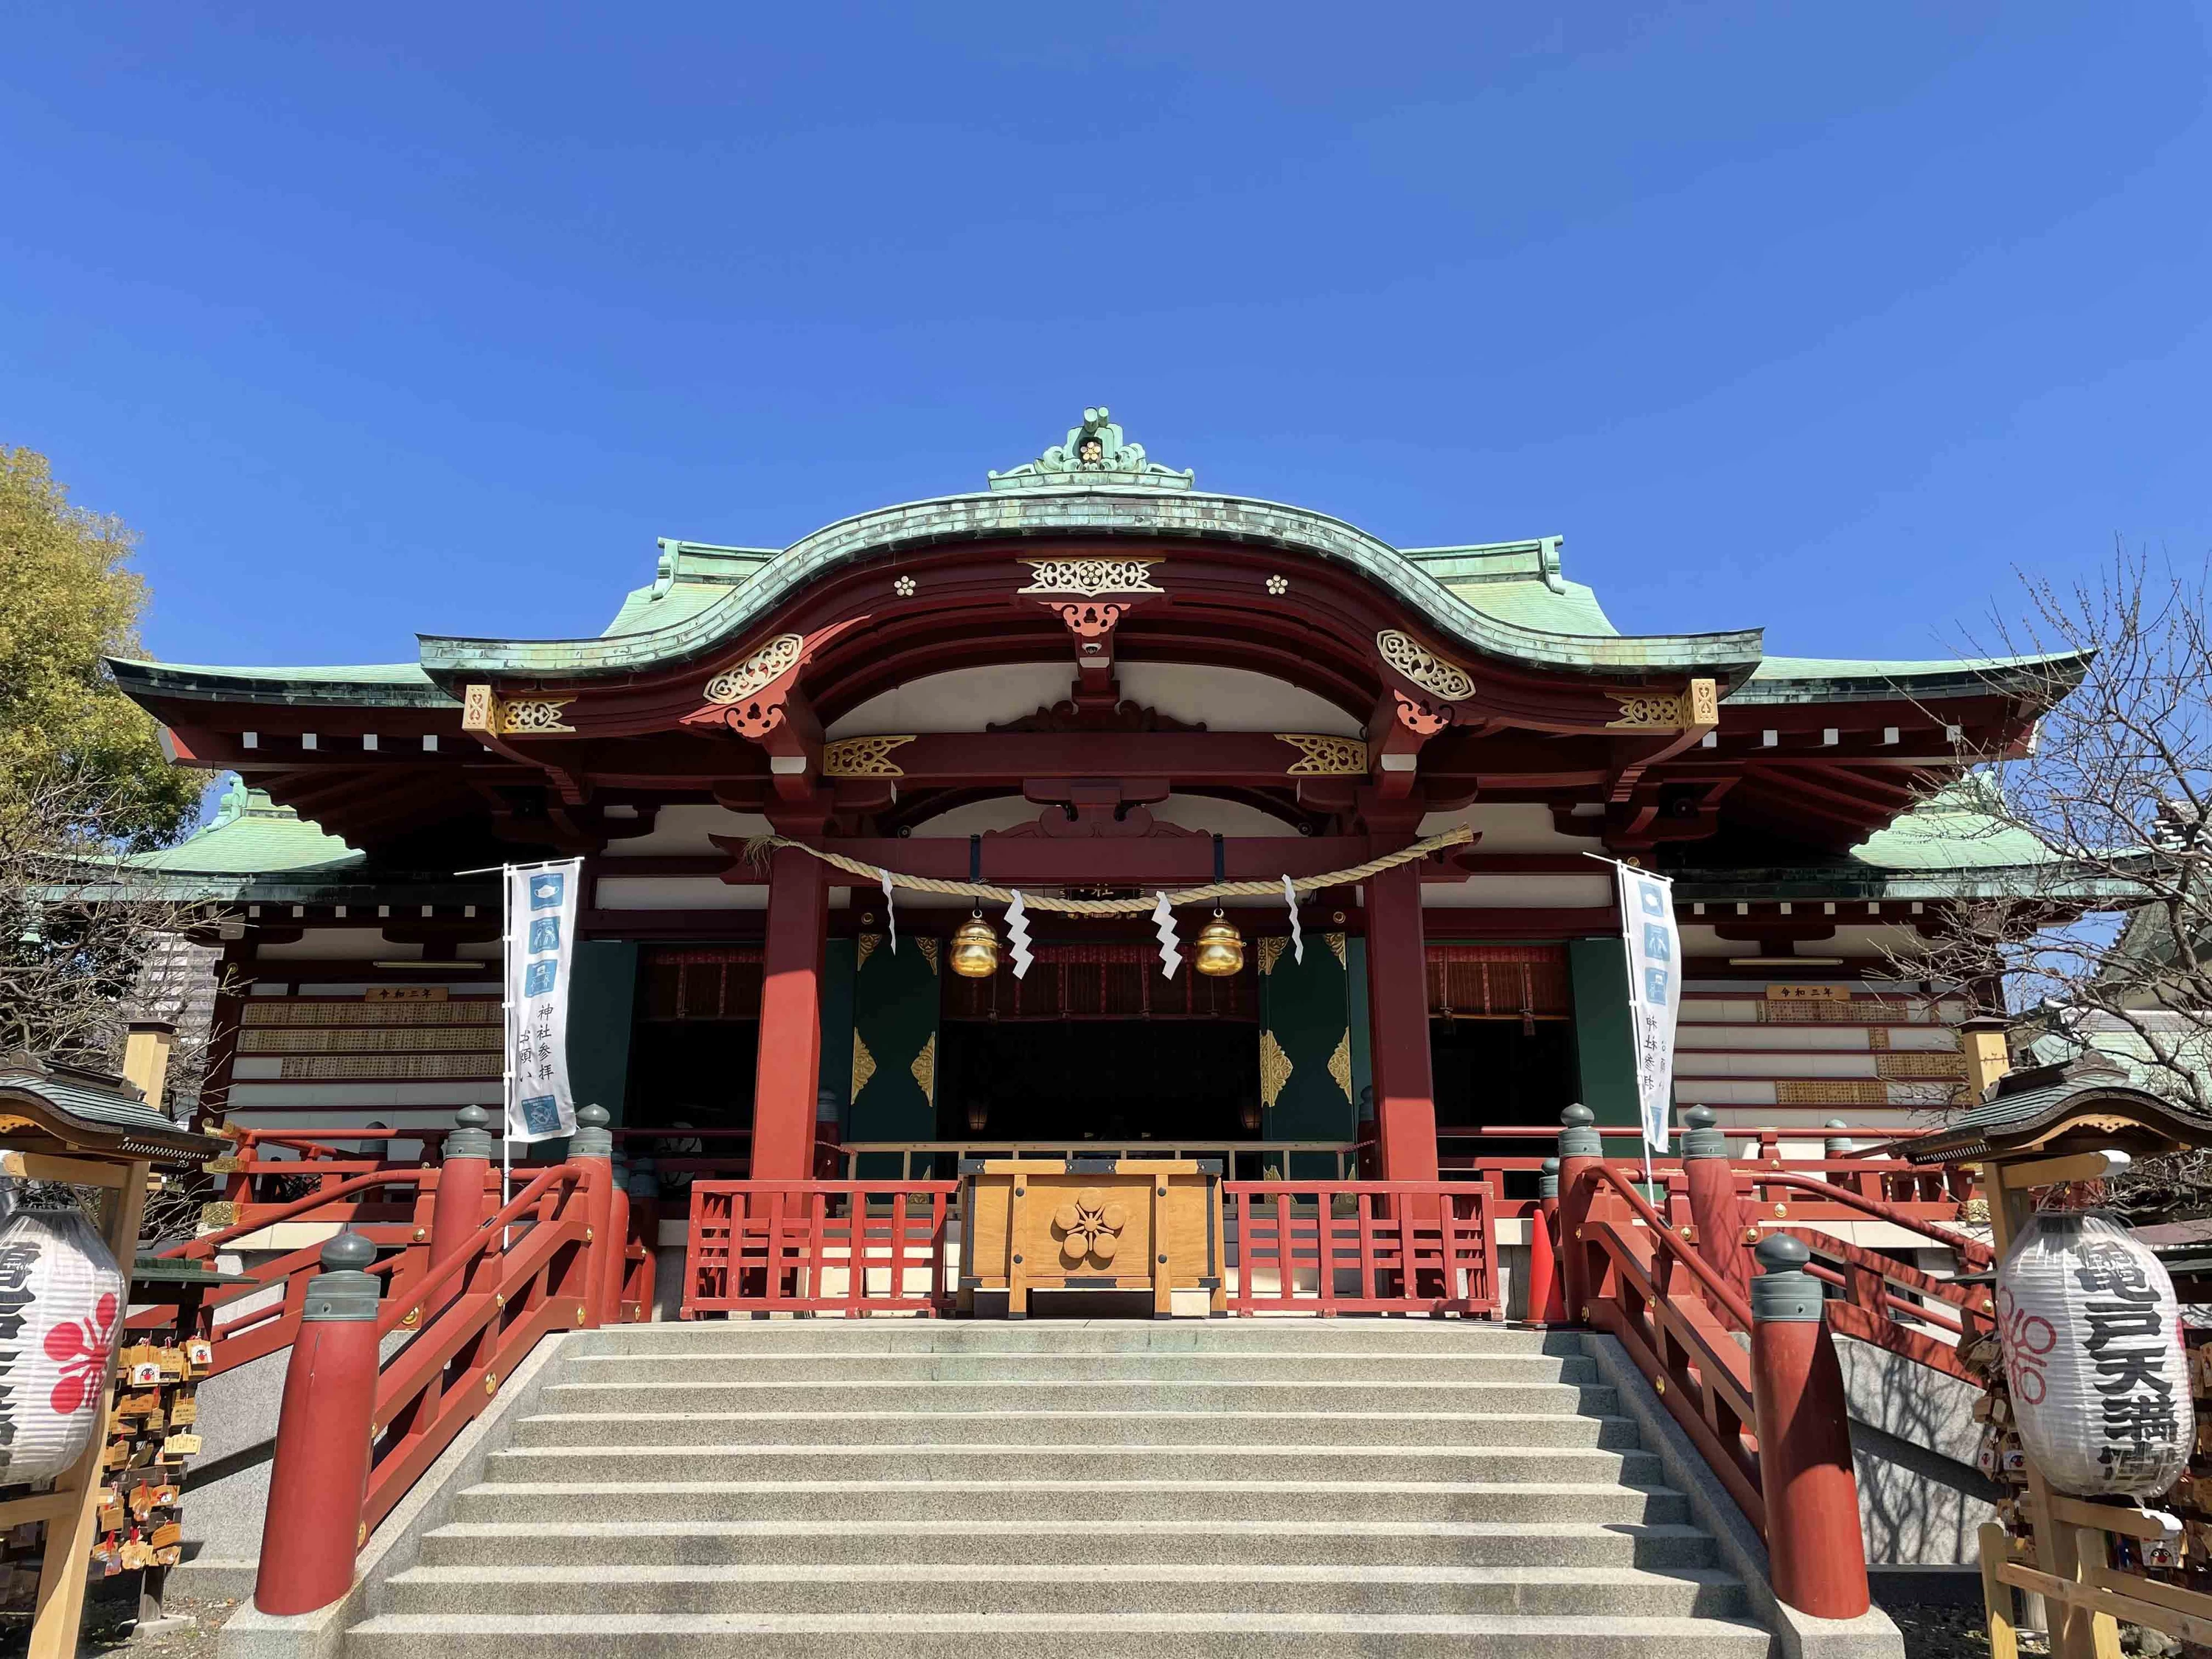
x,y
272,1323
1331,1246
496,1303
1682,1343
817,1246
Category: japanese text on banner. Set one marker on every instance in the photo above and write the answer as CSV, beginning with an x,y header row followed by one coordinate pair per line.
x,y
1655,992
541,908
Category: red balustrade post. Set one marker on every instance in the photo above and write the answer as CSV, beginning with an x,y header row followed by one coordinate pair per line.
x,y
1581,1148
1547,1305
618,1255
645,1211
1715,1211
1816,1554
463,1177
1835,1147
593,1145
320,1480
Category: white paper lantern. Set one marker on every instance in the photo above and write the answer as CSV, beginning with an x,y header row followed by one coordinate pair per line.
x,y
2091,1331
61,1299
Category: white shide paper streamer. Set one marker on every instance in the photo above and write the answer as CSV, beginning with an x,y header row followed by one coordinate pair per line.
x,y
1298,934
1164,921
1018,935
890,916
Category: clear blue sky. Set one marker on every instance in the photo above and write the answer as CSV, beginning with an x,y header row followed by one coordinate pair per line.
x,y
1821,317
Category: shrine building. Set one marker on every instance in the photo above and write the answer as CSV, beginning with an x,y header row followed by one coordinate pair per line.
x,y
1091,678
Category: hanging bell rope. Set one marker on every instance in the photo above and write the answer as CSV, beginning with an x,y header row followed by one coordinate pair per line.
x,y
759,849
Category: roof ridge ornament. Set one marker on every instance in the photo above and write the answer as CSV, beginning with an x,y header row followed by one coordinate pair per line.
x,y
1093,453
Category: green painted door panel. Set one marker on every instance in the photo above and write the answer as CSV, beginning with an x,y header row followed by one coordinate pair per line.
x,y
836,1003
1306,1084
1605,1040
892,1061
602,1002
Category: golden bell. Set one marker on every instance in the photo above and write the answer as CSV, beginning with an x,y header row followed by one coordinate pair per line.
x,y
1220,949
974,949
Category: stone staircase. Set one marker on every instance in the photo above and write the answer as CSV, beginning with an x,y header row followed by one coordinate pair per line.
x,y
1086,1490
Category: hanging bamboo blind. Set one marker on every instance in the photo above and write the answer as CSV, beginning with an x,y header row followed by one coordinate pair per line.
x,y
1500,981
721,981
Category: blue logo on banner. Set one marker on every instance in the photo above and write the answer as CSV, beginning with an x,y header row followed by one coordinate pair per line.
x,y
541,1115
545,890
1655,986
537,978
1656,944
1653,901
545,934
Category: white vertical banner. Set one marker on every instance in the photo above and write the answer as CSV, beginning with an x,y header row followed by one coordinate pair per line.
x,y
1655,992
541,943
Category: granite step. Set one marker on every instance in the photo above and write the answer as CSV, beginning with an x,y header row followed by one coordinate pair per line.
x,y
1018,1543
1031,1635
1331,1432
1079,1586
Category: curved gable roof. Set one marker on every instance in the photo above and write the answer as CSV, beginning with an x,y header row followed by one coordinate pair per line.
x,y
1094,510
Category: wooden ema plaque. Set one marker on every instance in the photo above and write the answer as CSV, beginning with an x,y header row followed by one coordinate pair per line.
x,y
1112,1224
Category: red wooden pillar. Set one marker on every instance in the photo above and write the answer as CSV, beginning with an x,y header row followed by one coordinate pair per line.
x,y
1398,1024
458,1209
1581,1148
1715,1211
1816,1554
790,1068
320,1477
1546,1304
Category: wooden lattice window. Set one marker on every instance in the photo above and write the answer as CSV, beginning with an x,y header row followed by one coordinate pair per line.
x,y
720,982
1500,981
1099,981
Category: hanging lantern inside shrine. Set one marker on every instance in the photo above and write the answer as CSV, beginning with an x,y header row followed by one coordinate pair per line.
x,y
1219,951
61,1299
979,1116
975,949
2091,1332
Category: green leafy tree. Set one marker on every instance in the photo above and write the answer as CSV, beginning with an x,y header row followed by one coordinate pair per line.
x,y
68,601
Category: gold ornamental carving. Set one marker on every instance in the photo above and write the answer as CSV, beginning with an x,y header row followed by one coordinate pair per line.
x,y
1086,578
1324,757
777,657
924,1069
864,1065
928,948
1339,1064
1336,944
863,948
485,710
1274,1069
1407,656
1668,711
525,715
1271,948
1089,1226
862,757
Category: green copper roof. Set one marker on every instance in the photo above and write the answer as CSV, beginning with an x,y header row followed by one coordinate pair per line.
x,y
1081,506
250,835
378,685
1504,599
2046,677
692,575
1953,829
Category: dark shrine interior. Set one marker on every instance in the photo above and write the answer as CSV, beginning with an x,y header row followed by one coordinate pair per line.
x,y
1105,1079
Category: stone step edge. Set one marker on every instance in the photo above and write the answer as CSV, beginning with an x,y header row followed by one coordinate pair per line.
x,y
1059,1488
1027,1530
1096,1572
982,1448
1679,1627
1017,1414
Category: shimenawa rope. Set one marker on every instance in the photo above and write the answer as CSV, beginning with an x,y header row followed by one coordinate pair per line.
x,y
758,849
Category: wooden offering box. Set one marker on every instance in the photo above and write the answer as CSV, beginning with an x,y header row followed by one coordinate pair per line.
x,y
1107,1224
